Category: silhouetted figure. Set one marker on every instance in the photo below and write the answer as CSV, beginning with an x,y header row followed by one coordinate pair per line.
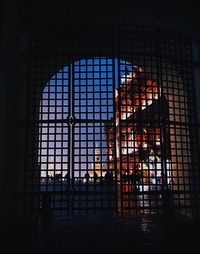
x,y
164,185
95,177
135,179
87,178
138,177
132,181
166,195
101,180
171,184
46,212
167,200
142,153
67,178
108,182
108,178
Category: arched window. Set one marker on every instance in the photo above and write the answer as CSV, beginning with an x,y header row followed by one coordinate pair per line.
x,y
128,108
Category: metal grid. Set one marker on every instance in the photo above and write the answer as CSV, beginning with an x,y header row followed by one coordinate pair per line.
x,y
111,121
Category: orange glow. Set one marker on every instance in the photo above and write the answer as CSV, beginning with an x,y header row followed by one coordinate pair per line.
x,y
137,106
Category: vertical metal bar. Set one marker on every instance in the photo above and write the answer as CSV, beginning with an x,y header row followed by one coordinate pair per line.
x,y
120,178
194,152
27,135
162,121
113,123
69,143
72,136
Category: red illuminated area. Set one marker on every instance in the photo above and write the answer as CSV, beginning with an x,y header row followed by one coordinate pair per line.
x,y
140,133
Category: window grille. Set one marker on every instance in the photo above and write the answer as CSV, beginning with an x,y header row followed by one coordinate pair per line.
x,y
111,121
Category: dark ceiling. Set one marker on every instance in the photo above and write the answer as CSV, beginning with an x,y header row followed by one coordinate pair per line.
x,y
158,12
